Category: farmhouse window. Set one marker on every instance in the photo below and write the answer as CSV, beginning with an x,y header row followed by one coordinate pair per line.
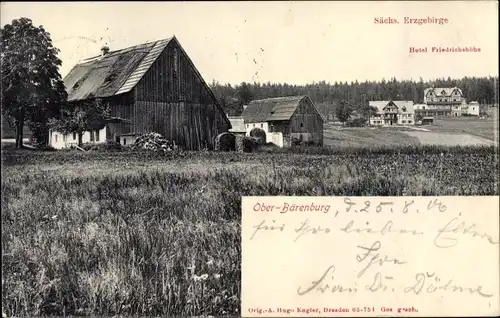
x,y
64,138
254,125
124,141
261,125
91,135
74,136
56,138
97,135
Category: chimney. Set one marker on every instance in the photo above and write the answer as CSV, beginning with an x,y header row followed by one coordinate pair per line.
x,y
104,50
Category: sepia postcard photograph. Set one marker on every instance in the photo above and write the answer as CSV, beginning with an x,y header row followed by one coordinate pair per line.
x,y
250,158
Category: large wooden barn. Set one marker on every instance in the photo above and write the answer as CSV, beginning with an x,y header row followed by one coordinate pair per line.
x,y
285,120
156,88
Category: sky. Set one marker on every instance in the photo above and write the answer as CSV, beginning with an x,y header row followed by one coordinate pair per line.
x,y
293,42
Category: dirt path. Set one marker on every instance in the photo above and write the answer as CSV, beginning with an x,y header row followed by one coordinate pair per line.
x,y
449,139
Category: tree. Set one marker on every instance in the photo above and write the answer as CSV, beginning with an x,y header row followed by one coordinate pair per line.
x,y
244,94
343,111
80,117
32,88
369,111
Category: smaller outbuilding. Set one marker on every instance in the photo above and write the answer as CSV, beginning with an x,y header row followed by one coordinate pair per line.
x,y
285,120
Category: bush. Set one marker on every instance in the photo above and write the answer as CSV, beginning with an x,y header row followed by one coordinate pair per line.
x,y
108,145
357,122
250,144
260,134
296,142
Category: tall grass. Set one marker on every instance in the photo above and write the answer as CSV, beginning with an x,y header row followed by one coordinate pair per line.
x,y
136,233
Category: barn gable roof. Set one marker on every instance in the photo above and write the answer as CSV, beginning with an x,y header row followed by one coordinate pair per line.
x,y
115,73
118,72
273,109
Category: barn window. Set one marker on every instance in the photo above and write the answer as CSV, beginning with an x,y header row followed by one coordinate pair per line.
x,y
176,65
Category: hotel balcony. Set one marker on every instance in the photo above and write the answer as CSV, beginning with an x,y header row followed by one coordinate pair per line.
x,y
442,102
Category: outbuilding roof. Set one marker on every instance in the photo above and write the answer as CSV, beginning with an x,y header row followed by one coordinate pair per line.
x,y
273,109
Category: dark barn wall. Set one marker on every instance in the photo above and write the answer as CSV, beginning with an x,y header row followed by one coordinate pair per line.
x,y
312,122
171,100
120,106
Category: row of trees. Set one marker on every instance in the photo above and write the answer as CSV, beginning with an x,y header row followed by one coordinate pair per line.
x,y
33,92
327,95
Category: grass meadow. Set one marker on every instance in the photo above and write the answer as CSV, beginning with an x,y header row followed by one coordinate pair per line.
x,y
139,233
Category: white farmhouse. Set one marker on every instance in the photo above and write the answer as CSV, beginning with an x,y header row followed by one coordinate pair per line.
x,y
95,135
60,141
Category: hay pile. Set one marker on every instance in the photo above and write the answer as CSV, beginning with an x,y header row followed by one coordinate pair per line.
x,y
225,142
154,141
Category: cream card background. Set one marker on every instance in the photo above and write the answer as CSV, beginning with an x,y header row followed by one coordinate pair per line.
x,y
275,263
